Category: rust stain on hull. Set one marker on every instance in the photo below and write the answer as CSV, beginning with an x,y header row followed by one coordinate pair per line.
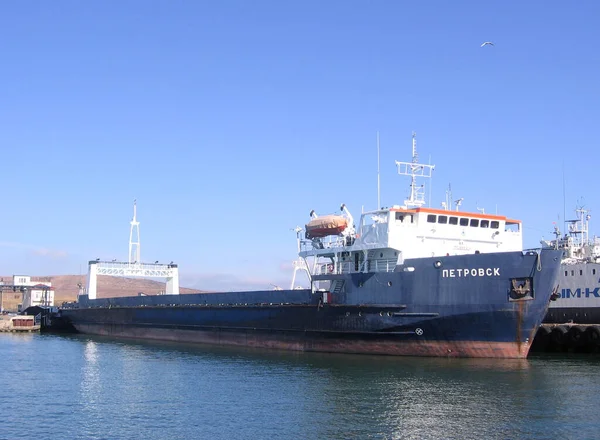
x,y
305,342
520,306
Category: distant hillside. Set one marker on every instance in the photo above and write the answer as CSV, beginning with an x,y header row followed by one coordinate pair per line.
x,y
65,288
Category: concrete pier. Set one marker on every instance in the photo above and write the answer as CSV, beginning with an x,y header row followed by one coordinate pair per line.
x,y
18,324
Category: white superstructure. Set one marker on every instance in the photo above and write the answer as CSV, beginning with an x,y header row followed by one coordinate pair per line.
x,y
386,237
576,243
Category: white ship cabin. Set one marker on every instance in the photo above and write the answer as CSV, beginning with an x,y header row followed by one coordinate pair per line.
x,y
386,237
576,244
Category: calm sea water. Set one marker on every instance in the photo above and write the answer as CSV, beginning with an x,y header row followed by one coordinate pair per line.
x,y
79,387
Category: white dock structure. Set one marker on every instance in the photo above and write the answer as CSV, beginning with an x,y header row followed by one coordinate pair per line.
x,y
299,263
134,267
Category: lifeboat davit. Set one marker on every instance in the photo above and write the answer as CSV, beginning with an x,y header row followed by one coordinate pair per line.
x,y
326,225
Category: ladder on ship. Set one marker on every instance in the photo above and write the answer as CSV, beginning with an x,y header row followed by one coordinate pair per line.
x,y
336,286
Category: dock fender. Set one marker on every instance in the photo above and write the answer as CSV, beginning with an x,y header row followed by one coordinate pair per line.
x,y
592,335
542,331
575,335
542,338
558,335
543,334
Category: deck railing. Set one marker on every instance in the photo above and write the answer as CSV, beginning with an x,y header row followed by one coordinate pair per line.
x,y
379,265
326,243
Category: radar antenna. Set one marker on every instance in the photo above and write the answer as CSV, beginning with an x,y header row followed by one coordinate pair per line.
x,y
414,169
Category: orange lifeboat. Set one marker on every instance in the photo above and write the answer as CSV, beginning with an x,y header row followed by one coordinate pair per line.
x,y
326,225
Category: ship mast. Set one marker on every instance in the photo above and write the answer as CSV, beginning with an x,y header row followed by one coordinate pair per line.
x,y
414,169
579,228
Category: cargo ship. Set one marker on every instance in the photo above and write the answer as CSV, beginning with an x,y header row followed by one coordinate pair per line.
x,y
404,280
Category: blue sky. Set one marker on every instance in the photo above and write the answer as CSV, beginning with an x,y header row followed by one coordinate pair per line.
x,y
229,121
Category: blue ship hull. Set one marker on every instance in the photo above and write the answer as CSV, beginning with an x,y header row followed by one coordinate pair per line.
x,y
480,305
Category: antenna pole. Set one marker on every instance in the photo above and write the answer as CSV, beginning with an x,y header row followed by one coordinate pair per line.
x,y
378,184
134,237
564,200
431,183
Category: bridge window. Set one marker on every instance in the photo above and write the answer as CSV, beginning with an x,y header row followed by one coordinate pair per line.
x,y
431,218
495,224
512,227
581,272
474,222
399,216
485,223
593,271
464,222
566,273
572,273
443,219
453,220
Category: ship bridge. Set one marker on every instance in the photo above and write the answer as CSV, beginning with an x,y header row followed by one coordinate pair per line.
x,y
386,237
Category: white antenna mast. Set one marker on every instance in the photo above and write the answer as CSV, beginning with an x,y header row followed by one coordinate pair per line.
x,y
579,228
414,169
134,254
378,185
448,202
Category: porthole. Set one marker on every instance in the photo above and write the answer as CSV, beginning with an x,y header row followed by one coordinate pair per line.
x,y
389,283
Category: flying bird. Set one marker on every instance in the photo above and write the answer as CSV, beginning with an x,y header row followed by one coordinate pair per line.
x,y
487,43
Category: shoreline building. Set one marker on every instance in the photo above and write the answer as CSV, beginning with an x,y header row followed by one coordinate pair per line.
x,y
35,292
